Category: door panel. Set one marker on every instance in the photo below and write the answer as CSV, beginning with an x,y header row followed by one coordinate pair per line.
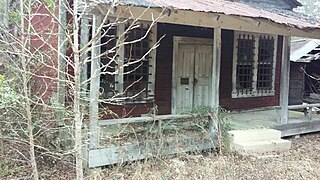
x,y
202,75
184,77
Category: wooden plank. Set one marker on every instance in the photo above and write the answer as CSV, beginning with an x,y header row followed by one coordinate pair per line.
x,y
147,149
95,84
284,82
146,119
298,128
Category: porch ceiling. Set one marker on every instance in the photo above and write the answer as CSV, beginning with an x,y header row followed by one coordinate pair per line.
x,y
290,22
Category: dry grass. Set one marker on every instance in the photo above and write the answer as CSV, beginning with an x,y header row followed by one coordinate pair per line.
x,y
300,162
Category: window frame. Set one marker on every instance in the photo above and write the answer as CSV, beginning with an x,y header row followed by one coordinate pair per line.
x,y
255,92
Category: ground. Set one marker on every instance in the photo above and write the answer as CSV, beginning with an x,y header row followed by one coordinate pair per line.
x,y
300,162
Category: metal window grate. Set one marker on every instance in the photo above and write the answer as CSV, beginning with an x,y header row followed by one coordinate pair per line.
x,y
108,52
265,63
137,63
245,62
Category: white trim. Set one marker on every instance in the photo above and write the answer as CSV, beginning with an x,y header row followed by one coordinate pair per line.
x,y
255,92
152,63
176,41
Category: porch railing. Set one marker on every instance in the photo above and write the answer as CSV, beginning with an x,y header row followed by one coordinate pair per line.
x,y
307,109
162,145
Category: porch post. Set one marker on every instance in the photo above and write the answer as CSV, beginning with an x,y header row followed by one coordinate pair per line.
x,y
215,79
216,68
94,83
84,39
284,82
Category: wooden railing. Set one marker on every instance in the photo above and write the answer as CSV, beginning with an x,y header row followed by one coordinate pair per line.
x,y
307,109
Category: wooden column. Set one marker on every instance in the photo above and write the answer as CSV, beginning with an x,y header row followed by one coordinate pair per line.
x,y
62,63
84,39
95,83
284,82
215,79
120,59
216,68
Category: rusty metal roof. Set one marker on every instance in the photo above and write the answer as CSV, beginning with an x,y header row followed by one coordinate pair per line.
x,y
287,17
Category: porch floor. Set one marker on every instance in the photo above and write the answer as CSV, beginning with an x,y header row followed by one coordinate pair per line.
x,y
268,119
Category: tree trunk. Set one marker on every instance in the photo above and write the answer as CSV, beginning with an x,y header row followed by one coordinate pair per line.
x,y
77,88
24,42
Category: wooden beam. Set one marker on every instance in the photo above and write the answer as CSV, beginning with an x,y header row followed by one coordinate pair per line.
x,y
284,82
214,20
95,84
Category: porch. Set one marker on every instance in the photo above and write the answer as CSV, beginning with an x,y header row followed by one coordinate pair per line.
x,y
268,119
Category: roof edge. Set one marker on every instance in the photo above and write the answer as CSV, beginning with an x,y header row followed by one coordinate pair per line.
x,y
294,3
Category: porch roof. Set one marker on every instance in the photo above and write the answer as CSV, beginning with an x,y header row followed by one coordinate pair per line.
x,y
271,13
305,50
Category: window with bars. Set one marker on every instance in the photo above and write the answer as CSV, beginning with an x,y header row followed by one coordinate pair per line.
x,y
108,60
254,60
127,71
245,64
136,62
265,63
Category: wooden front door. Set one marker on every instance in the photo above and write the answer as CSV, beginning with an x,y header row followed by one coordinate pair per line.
x,y
192,74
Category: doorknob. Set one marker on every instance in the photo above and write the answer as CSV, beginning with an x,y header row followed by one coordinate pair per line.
x,y
195,81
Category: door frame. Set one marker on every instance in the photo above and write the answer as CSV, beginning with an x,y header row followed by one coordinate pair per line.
x,y
183,40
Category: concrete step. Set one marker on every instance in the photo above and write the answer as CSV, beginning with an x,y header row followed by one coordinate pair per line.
x,y
262,146
252,135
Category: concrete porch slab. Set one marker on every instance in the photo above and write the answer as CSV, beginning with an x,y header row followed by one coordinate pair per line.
x,y
267,119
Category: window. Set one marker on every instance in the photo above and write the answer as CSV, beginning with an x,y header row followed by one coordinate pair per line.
x,y
136,62
107,49
254,65
128,70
